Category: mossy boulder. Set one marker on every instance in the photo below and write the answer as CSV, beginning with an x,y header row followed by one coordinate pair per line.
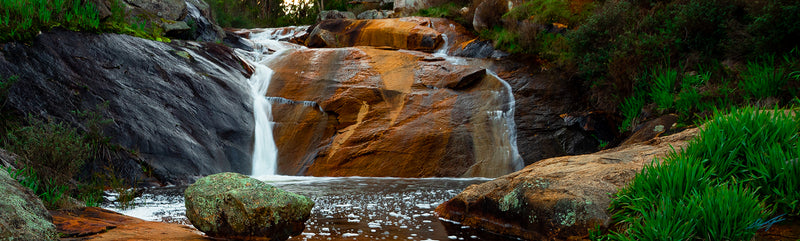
x,y
22,214
232,205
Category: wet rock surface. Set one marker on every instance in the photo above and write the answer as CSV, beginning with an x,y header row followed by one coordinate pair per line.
x,y
389,33
185,110
22,214
373,112
100,224
232,205
558,198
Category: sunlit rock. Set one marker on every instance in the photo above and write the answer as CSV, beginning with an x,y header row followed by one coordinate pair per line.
x,y
556,198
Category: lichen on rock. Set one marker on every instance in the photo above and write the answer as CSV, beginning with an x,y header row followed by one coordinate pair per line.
x,y
232,205
22,214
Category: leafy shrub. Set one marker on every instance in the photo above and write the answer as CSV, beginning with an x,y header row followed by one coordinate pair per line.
x,y
52,149
449,10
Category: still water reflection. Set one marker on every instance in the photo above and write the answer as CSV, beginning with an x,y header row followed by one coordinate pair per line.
x,y
347,208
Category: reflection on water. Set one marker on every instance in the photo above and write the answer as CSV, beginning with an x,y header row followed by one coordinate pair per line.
x,y
348,208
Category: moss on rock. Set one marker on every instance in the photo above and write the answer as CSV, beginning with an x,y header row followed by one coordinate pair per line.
x,y
22,214
233,205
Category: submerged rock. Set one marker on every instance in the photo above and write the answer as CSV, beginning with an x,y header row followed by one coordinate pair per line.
x,y
389,33
22,214
557,198
232,205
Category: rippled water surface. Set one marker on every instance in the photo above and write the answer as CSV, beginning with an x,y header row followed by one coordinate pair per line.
x,y
350,208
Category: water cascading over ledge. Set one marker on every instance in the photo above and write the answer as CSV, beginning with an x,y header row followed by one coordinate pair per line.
x,y
371,112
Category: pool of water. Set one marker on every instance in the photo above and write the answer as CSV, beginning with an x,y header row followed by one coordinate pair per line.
x,y
347,208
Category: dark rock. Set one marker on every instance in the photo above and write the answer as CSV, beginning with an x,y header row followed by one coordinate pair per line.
x,y
200,22
185,110
232,205
375,14
166,9
651,129
335,14
22,214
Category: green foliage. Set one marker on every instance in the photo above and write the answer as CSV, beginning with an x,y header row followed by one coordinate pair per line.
x,y
50,191
661,91
503,39
270,13
448,10
689,98
762,79
630,109
550,11
756,148
53,150
722,178
22,20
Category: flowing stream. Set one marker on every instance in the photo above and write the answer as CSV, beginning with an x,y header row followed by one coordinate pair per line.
x,y
347,208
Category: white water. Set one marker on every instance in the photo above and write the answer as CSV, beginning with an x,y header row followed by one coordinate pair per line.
x,y
265,152
510,132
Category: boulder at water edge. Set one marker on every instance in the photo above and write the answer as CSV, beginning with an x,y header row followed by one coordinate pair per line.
x,y
232,205
22,214
559,198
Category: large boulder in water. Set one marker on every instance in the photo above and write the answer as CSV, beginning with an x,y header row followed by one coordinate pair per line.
x,y
391,33
232,205
559,198
373,112
185,111
22,214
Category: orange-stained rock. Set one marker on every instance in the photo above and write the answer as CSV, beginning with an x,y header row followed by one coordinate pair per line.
x,y
100,224
390,33
557,198
372,112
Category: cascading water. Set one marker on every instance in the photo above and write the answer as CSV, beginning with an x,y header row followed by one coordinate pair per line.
x,y
265,152
509,136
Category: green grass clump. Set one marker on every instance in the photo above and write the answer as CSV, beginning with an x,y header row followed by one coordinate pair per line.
x,y
741,169
630,109
763,79
661,91
21,20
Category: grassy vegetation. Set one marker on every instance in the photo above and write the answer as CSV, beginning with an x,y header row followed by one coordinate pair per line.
x,y
21,20
738,173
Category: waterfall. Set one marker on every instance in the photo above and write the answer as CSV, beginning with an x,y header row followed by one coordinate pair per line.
x,y
509,137
265,151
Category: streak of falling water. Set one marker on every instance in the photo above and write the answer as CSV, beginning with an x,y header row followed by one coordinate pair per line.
x,y
509,137
265,152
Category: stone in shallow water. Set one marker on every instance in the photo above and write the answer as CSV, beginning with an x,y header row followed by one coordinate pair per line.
x,y
232,205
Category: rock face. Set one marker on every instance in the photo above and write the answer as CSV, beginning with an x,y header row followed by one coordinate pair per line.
x,y
375,14
185,110
335,14
391,33
22,214
232,205
557,198
373,112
